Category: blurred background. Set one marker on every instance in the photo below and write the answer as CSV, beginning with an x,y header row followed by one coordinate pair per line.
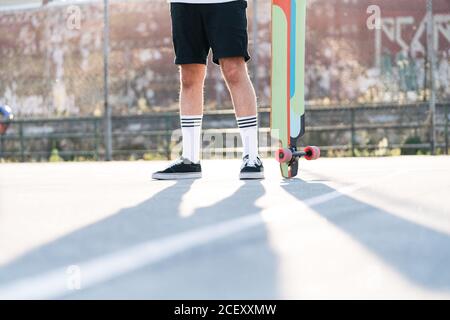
x,y
370,91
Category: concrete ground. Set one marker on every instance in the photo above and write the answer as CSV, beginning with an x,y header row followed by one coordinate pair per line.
x,y
346,228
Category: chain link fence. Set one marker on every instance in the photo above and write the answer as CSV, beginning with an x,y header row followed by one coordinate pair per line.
x,y
377,130
52,63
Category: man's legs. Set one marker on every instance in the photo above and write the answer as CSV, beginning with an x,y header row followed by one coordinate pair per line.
x,y
192,78
243,95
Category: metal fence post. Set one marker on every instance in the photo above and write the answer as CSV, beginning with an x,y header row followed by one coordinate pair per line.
x,y
446,128
255,46
108,124
352,113
1,146
97,138
22,143
431,61
168,137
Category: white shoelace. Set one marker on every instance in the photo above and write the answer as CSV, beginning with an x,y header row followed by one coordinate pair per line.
x,y
176,162
251,163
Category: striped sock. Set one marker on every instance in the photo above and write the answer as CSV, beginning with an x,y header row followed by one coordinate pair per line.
x,y
191,127
249,134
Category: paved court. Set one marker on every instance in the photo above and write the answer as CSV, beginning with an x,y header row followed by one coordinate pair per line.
x,y
347,228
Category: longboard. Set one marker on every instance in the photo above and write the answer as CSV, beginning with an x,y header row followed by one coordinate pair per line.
x,y
288,83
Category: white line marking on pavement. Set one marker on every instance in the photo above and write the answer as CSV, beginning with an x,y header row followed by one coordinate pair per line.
x,y
53,284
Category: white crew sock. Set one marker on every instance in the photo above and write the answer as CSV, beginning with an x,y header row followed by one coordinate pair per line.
x,y
249,134
191,128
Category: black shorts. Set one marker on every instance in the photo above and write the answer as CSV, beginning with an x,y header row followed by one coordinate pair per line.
x,y
197,28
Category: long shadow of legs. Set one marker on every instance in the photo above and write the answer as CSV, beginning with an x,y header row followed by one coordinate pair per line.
x,y
419,253
239,266
151,219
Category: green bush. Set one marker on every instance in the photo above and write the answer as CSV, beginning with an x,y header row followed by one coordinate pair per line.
x,y
411,151
153,156
54,157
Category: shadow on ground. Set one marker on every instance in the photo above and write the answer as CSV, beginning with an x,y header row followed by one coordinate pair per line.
x,y
242,266
418,253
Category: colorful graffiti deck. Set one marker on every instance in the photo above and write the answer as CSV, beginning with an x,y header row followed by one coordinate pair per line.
x,y
288,83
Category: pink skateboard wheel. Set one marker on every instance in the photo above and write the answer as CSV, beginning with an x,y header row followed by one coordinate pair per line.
x,y
283,155
312,153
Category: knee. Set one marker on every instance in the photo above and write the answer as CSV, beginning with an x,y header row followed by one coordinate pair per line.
x,y
191,78
233,71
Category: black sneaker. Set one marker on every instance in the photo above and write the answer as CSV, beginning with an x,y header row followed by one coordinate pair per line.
x,y
180,169
251,169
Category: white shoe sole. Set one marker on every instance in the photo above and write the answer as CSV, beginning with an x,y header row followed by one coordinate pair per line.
x,y
176,176
251,175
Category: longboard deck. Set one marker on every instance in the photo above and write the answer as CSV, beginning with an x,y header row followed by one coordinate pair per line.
x,y
288,77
